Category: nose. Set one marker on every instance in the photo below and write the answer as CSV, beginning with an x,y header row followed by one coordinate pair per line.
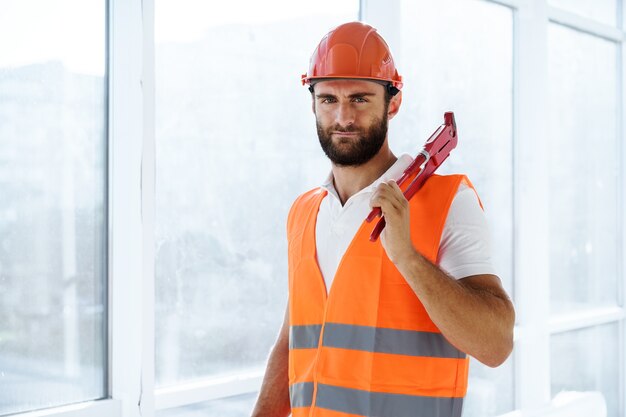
x,y
345,114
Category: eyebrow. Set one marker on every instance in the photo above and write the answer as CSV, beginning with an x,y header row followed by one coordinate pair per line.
x,y
354,95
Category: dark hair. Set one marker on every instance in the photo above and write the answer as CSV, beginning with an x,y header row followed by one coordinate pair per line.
x,y
390,91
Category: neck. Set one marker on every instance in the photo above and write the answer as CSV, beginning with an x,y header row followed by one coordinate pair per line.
x,y
350,180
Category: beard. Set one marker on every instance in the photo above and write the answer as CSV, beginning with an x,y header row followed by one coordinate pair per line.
x,y
353,151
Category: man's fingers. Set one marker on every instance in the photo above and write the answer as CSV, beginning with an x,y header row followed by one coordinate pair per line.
x,y
392,192
397,192
396,187
386,197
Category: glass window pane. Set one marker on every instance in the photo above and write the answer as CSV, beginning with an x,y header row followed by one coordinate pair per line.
x,y
588,360
53,203
584,173
468,70
490,390
604,11
236,143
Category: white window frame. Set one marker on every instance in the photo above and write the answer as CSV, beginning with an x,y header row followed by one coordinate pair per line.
x,y
131,128
99,408
132,205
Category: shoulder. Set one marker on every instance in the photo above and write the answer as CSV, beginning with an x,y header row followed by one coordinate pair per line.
x,y
465,246
307,198
448,183
450,179
439,190
302,205
457,187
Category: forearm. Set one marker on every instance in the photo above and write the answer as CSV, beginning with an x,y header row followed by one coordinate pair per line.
x,y
273,400
477,320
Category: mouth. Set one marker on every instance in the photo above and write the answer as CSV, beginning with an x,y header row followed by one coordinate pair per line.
x,y
348,134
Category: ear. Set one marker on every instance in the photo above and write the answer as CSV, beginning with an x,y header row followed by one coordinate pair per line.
x,y
394,105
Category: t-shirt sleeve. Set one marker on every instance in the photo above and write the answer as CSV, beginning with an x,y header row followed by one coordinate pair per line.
x,y
465,247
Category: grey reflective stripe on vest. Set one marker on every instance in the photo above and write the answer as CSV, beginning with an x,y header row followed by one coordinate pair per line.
x,y
304,337
301,394
382,340
376,404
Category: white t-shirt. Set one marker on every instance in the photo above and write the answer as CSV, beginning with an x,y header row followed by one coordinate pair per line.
x,y
464,249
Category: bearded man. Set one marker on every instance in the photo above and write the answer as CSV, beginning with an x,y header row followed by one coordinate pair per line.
x,y
383,328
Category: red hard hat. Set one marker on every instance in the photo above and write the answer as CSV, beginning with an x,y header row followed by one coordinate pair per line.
x,y
353,50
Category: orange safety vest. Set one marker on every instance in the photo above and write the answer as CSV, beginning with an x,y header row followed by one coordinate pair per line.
x,y
369,348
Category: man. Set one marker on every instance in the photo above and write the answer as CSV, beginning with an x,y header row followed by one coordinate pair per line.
x,y
391,336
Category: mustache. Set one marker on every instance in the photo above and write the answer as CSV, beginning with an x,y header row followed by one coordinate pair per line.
x,y
349,129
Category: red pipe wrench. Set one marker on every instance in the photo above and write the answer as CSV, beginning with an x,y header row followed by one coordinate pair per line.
x,y
436,150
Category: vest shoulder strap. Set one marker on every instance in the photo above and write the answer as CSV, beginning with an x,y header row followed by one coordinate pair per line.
x,y
300,209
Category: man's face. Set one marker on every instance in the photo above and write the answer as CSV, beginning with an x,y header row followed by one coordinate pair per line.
x,y
351,118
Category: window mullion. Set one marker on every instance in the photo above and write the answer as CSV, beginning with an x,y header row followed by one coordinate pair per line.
x,y
148,209
532,268
131,302
209,389
621,132
584,24
100,408
585,318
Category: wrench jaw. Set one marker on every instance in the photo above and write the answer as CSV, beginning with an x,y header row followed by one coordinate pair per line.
x,y
448,118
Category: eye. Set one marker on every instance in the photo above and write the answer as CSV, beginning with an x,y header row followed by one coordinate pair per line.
x,y
360,100
328,100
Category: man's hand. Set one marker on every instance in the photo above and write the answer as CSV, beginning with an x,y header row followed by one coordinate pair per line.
x,y
396,236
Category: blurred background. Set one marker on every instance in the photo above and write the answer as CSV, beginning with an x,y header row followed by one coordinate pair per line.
x,y
227,136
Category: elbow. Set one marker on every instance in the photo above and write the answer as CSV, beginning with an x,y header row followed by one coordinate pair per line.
x,y
498,356
502,347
